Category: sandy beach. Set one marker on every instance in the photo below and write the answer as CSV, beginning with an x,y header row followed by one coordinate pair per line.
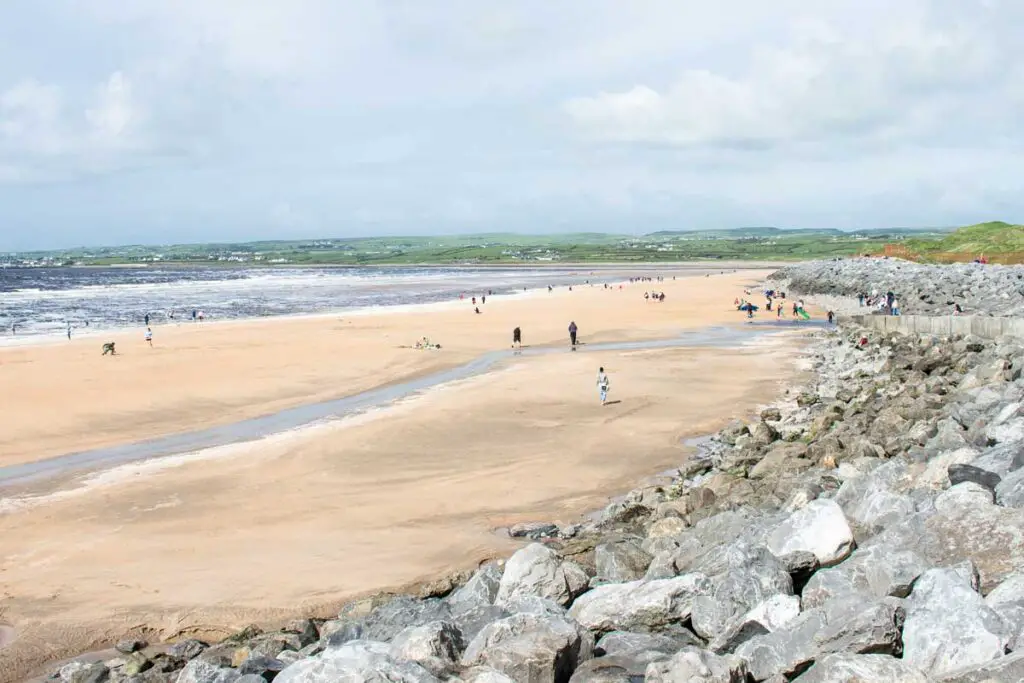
x,y
298,523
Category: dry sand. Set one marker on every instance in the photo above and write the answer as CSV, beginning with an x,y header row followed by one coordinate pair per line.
x,y
296,524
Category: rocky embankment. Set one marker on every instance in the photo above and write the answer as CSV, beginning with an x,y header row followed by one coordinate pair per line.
x,y
922,289
869,527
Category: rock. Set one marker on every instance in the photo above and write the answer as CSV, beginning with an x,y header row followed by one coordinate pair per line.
x,y
135,663
852,626
1006,668
82,672
771,615
820,528
540,571
1007,600
801,565
1010,491
130,645
873,572
771,414
199,671
305,630
948,625
762,434
666,528
472,621
436,646
781,458
400,613
187,649
693,665
365,661
264,667
529,647
851,668
481,589
960,473
620,561
534,530
646,606
484,674
627,644
345,633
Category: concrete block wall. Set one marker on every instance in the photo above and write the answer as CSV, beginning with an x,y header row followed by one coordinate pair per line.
x,y
945,325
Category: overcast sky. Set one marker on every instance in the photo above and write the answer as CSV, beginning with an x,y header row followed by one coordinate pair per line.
x,y
193,120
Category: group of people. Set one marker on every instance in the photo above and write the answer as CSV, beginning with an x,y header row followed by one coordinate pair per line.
x,y
887,304
654,296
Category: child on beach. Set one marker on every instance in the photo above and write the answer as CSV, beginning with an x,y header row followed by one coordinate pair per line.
x,y
603,384
149,337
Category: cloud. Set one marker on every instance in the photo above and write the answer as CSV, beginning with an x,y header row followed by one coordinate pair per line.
x,y
904,82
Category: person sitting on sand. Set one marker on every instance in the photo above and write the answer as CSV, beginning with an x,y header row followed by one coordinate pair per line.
x,y
109,348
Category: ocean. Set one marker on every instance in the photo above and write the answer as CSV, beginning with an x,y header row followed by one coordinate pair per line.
x,y
45,301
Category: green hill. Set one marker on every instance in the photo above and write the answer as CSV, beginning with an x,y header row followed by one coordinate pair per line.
x,y
991,239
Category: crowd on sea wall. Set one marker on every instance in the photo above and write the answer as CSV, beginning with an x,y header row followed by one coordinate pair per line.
x,y
979,289
868,526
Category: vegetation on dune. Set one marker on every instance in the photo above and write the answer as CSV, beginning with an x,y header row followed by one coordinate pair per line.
x,y
991,239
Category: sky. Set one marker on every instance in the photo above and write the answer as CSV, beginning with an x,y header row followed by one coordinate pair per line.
x,y
164,121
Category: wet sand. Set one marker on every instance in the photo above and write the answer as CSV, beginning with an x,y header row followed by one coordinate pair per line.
x,y
297,524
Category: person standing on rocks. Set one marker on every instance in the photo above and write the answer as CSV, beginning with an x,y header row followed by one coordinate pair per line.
x,y
603,384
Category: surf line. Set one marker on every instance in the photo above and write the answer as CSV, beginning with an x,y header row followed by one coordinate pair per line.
x,y
252,429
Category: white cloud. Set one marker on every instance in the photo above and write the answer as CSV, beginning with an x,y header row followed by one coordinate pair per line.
x,y
898,82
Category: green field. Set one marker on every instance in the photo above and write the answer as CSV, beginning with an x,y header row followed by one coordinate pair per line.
x,y
758,243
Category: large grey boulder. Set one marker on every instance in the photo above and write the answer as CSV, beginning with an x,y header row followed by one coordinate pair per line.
x,y
693,665
948,624
359,660
875,572
200,671
537,570
771,615
1010,490
852,626
436,646
649,606
531,647
619,561
485,674
615,669
396,615
479,591
1007,600
1007,668
964,524
820,527
851,668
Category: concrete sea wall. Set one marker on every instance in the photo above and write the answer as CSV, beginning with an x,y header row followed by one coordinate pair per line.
x,y
981,326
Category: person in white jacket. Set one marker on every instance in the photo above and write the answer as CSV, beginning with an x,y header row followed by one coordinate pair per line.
x,y
603,384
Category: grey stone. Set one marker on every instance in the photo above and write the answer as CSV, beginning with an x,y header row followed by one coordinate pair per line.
x,y
627,644
187,649
264,667
529,647
130,645
83,672
540,571
647,606
874,571
853,668
621,561
615,669
959,474
484,674
363,661
479,591
820,528
534,530
398,614
693,665
436,646
1002,669
1007,600
199,671
948,624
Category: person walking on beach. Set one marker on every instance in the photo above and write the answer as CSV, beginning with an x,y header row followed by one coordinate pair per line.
x,y
517,338
572,335
194,314
147,320
69,331
149,337
603,384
